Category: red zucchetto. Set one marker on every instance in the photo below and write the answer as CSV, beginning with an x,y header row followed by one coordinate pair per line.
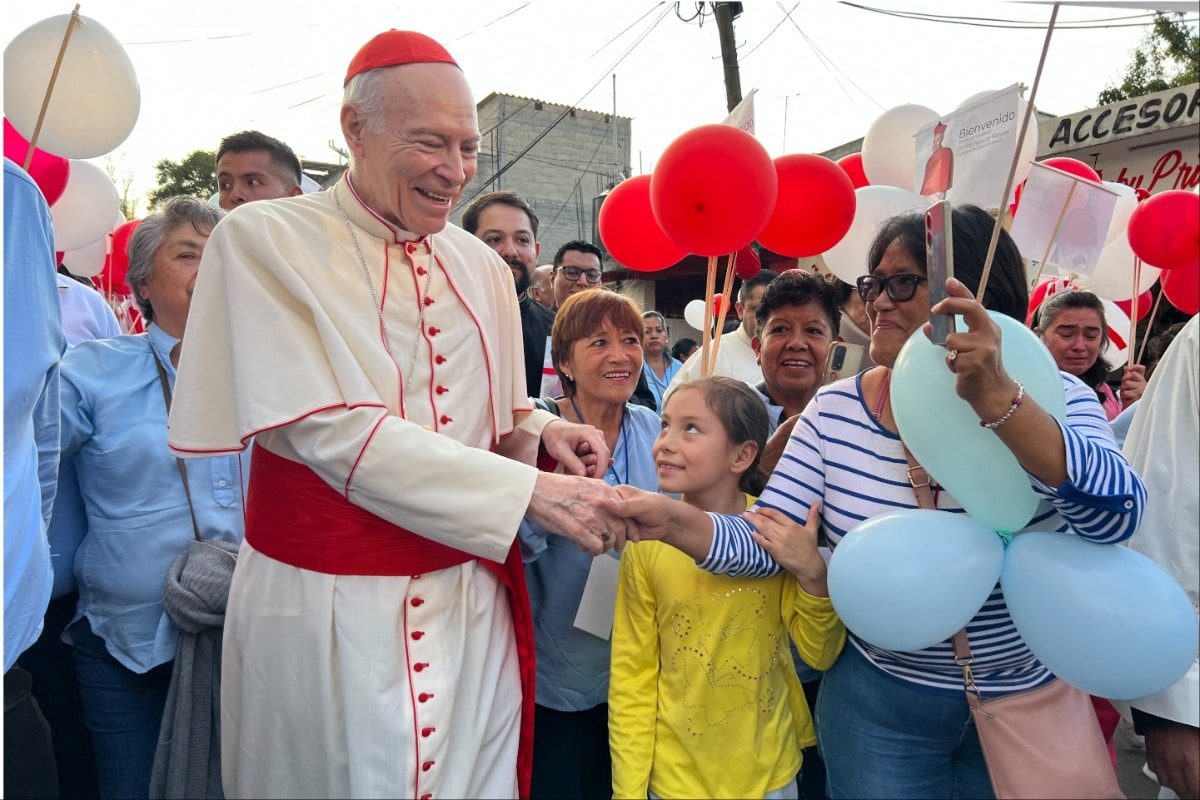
x,y
395,47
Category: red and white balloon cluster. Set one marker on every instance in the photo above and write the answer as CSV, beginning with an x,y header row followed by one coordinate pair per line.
x,y
714,190
56,115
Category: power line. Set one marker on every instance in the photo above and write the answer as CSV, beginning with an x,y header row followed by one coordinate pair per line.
x,y
828,62
1009,24
786,16
641,37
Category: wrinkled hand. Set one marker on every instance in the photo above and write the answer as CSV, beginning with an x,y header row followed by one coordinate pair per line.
x,y
777,444
580,449
1173,753
581,509
982,379
1133,384
793,546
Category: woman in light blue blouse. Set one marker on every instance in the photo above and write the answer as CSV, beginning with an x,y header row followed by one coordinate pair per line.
x,y
139,517
596,347
659,364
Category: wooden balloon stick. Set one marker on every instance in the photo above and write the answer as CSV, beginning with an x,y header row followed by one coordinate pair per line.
x,y
706,338
726,295
62,51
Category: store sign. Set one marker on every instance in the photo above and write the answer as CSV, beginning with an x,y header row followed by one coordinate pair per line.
x,y
1163,110
1155,169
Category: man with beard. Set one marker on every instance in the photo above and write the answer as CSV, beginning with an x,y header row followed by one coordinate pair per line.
x,y
507,224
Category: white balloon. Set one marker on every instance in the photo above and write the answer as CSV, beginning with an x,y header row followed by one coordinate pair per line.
x,y
1126,203
1029,145
96,97
1113,278
89,259
693,314
1117,349
87,208
874,206
889,151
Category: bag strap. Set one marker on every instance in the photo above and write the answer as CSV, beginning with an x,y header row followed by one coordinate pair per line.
x,y
187,489
918,478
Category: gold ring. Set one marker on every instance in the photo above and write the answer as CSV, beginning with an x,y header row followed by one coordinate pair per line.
x,y
951,355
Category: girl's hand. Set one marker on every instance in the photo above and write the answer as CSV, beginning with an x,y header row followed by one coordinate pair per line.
x,y
1133,384
793,546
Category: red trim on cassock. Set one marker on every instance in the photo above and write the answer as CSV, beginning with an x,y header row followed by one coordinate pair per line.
x,y
296,518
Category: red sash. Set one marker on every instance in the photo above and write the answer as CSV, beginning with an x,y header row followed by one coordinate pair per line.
x,y
296,518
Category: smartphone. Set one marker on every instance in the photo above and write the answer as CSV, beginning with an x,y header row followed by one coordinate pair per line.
x,y
844,360
939,265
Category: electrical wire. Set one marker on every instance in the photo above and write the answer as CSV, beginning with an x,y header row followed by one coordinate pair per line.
x,y
828,62
980,22
641,38
786,16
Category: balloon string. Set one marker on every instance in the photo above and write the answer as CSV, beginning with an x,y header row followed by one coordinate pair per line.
x,y
62,51
706,338
1133,306
726,294
1012,169
1149,323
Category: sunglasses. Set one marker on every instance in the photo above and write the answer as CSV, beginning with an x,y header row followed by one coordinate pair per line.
x,y
573,273
899,288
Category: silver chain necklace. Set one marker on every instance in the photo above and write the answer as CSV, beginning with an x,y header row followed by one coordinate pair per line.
x,y
421,295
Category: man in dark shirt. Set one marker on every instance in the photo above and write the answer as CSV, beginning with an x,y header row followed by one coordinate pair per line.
x,y
508,225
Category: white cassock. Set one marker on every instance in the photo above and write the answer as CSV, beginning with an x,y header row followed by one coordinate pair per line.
x,y
364,684
1163,446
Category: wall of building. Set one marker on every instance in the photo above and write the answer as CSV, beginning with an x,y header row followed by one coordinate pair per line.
x,y
575,159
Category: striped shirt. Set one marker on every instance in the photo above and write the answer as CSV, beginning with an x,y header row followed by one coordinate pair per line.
x,y
841,455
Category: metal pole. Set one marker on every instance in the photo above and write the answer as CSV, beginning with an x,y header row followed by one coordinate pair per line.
x,y
733,81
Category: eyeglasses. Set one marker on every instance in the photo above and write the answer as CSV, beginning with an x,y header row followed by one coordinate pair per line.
x,y
899,288
573,273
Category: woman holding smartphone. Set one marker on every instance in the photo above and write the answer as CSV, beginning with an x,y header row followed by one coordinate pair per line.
x,y
897,724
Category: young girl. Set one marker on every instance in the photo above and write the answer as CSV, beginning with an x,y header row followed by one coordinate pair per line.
x,y
703,698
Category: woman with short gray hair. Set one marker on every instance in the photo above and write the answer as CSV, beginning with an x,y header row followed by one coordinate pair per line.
x,y
143,509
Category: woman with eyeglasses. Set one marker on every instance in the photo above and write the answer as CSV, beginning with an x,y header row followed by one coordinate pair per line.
x,y
896,724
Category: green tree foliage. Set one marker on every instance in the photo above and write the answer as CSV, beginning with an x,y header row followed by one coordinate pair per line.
x,y
1168,56
195,175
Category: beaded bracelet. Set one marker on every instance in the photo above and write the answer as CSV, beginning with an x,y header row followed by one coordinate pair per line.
x,y
991,426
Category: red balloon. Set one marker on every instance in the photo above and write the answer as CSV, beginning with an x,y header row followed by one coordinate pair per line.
x,y
1164,231
630,232
1043,290
718,301
1145,300
814,208
1182,288
852,164
1073,166
713,189
113,275
747,265
49,172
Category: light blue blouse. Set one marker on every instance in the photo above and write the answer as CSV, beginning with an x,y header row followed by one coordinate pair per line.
x,y
657,387
114,426
572,666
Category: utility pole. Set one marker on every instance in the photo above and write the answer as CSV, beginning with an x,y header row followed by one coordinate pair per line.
x,y
726,13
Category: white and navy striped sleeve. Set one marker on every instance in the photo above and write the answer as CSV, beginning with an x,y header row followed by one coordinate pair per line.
x,y
1102,498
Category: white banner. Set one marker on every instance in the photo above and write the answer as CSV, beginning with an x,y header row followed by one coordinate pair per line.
x,y
742,115
1063,220
966,154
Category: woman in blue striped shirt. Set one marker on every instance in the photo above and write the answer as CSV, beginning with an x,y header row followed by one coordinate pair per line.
x,y
896,724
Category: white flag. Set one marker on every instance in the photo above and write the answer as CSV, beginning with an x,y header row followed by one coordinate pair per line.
x,y
1063,220
742,115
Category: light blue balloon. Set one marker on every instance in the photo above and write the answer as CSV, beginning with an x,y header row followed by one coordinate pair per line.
x,y
911,578
944,434
1102,617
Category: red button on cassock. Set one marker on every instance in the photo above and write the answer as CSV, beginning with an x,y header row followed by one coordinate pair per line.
x,y
434,331
426,797
427,732
420,666
439,359
420,270
424,697
441,390
428,301
416,602
428,765
446,420
417,635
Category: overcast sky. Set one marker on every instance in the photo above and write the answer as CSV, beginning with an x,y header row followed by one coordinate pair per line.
x,y
823,73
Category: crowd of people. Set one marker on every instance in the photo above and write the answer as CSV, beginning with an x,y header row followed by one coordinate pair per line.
x,y
405,514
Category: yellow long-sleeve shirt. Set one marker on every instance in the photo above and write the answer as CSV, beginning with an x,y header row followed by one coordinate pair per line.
x,y
703,697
